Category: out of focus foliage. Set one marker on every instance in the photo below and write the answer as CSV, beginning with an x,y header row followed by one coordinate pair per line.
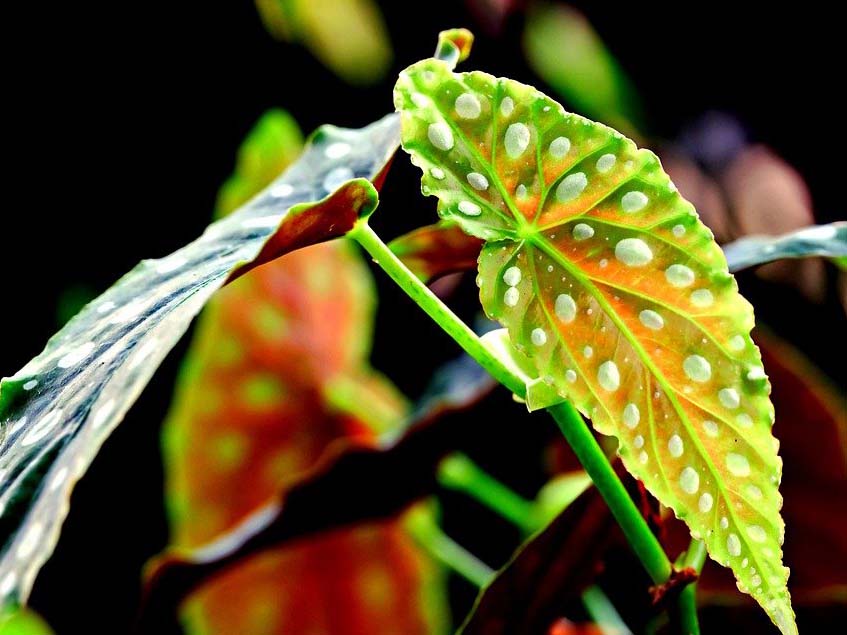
x,y
348,36
563,48
23,622
276,374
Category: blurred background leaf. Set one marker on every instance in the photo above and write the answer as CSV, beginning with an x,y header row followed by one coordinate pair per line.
x,y
564,50
277,372
348,36
23,622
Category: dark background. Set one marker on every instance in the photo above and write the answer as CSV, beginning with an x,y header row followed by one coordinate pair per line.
x,y
124,118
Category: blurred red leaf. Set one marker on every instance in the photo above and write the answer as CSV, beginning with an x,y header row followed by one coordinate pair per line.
x,y
551,568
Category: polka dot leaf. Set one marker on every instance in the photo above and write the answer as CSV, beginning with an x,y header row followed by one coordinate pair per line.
x,y
57,411
620,298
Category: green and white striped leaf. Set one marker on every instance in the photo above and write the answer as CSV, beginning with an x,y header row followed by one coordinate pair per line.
x,y
609,283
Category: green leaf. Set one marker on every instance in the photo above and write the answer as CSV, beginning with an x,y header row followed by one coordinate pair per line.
x,y
828,241
620,298
23,622
57,411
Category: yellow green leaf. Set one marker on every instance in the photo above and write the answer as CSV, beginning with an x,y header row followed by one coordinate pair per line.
x,y
619,297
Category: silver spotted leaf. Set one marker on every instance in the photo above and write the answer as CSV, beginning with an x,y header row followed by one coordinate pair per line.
x,y
828,241
57,411
620,298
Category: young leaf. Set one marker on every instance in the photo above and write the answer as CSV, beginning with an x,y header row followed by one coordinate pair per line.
x,y
829,241
619,296
56,412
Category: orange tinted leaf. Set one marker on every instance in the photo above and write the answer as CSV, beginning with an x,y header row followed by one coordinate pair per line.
x,y
435,250
355,480
619,297
278,372
555,565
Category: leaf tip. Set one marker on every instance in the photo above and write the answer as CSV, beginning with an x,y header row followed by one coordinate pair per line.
x,y
454,46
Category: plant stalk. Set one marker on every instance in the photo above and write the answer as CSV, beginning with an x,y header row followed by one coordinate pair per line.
x,y
444,549
687,603
596,464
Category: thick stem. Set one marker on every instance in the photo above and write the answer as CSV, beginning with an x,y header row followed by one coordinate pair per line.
x,y
594,460
642,540
687,603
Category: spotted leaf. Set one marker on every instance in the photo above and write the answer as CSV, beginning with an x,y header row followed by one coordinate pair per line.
x,y
829,241
618,294
56,412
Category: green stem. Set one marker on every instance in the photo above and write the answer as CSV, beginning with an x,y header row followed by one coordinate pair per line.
x,y
444,549
603,612
687,604
459,473
594,460
641,539
434,307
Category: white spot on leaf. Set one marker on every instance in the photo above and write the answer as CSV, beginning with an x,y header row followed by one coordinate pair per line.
x,y
675,446
559,147
76,355
697,368
468,106
469,209
42,428
608,375
512,276
565,308
631,416
729,397
337,150
516,140
733,545
440,135
582,231
689,480
738,464
477,181
571,186
511,296
702,298
605,163
651,319
633,201
538,337
633,252
679,276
